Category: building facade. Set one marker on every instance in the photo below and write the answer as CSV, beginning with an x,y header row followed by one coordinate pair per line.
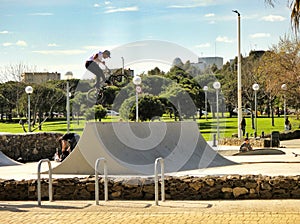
x,y
39,77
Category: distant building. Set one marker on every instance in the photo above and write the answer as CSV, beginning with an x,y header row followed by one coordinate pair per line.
x,y
39,77
207,62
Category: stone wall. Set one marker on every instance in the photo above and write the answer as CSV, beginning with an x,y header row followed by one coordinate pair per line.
x,y
30,146
262,142
176,188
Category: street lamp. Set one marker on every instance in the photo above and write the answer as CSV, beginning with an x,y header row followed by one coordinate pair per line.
x,y
284,88
239,73
255,87
122,65
205,88
68,76
217,86
29,90
137,82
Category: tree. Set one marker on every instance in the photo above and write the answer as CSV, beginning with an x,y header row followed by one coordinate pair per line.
x,y
294,5
12,91
147,101
44,100
281,65
13,72
95,112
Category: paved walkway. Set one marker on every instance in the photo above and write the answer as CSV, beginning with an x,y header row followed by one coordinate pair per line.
x,y
247,211
235,211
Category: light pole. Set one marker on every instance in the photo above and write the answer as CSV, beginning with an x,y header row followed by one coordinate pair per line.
x,y
255,87
68,76
29,91
217,86
122,65
205,88
239,73
284,88
137,82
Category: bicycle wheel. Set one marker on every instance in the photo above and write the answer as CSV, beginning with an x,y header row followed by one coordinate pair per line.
x,y
94,95
119,80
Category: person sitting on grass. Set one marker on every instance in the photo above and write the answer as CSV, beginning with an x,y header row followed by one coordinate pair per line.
x,y
245,147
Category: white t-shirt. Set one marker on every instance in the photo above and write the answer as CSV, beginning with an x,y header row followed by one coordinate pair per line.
x,y
100,56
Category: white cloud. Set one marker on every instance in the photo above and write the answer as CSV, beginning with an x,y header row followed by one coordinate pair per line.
x,y
192,5
52,45
96,5
41,14
7,44
209,15
273,18
97,48
260,35
20,43
205,45
126,9
4,32
223,39
60,52
107,2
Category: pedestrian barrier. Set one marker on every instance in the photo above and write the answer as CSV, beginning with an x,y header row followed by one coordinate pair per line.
x,y
39,181
162,168
98,161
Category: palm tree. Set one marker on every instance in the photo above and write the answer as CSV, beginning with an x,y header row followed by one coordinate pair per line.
x,y
294,5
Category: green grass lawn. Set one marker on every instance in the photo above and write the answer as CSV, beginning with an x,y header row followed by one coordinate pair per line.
x,y
227,126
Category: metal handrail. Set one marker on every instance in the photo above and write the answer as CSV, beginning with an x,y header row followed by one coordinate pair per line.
x,y
162,168
97,181
39,181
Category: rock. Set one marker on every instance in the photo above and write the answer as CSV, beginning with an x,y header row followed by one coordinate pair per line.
x,y
196,185
227,190
237,191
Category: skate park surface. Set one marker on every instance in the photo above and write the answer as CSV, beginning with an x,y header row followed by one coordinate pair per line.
x,y
227,211
273,165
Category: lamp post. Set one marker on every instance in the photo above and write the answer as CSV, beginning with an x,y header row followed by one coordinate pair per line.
x,y
284,88
68,76
239,73
122,65
255,87
217,86
29,91
205,88
137,82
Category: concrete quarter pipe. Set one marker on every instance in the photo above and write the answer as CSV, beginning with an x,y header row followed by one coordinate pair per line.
x,y
131,148
6,161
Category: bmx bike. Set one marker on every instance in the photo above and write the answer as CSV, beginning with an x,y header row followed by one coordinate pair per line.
x,y
96,95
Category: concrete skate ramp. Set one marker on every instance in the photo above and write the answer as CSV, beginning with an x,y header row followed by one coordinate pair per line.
x,y
131,148
6,161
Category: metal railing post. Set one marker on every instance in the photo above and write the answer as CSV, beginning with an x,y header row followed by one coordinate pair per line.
x,y
97,181
162,167
39,181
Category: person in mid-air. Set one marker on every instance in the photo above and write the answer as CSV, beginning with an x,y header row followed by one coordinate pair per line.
x,y
92,64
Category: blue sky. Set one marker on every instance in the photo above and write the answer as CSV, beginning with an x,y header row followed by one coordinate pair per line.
x,y
59,35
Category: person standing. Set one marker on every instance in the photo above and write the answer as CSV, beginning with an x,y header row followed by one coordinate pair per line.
x,y
243,126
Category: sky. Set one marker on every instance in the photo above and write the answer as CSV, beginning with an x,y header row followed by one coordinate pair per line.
x,y
59,35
